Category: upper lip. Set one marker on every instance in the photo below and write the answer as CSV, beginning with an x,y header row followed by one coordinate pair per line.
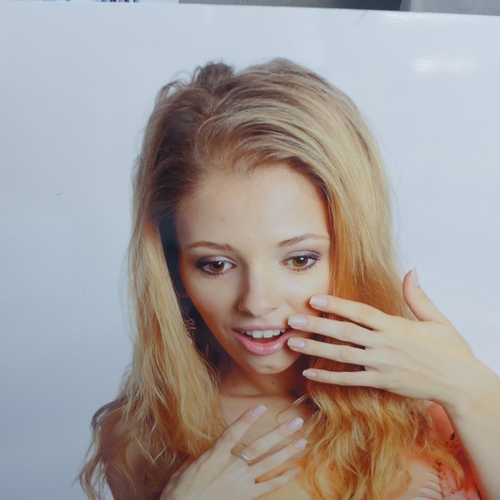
x,y
253,328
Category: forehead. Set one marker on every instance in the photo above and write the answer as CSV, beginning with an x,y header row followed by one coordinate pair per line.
x,y
271,204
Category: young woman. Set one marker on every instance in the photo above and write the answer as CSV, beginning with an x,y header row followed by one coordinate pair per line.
x,y
277,354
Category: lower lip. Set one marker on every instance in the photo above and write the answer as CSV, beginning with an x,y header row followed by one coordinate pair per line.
x,y
263,348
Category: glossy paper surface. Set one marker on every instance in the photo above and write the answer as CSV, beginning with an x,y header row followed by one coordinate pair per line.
x,y
78,83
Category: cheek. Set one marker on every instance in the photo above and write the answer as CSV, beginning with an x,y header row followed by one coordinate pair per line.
x,y
208,308
316,282
198,290
211,301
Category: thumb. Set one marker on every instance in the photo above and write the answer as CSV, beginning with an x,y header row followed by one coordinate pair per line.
x,y
421,306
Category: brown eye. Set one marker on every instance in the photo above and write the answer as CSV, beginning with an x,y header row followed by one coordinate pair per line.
x,y
301,262
215,267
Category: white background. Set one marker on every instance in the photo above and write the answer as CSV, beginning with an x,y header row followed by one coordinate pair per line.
x,y
77,85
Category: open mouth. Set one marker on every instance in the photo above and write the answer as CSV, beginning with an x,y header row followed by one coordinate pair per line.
x,y
264,342
263,335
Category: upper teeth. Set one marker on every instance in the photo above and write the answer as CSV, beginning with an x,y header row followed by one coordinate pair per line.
x,y
267,334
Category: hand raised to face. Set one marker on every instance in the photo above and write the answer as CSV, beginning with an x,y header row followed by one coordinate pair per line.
x,y
425,358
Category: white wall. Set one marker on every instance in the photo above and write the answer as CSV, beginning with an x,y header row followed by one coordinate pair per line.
x,y
77,84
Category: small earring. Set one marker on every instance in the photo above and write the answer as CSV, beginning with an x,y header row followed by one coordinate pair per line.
x,y
190,329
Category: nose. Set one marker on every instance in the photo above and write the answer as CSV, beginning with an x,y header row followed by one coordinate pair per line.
x,y
258,295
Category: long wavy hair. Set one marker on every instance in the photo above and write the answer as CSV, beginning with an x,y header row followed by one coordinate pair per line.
x,y
360,439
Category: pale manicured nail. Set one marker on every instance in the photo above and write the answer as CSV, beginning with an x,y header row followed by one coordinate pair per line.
x,y
297,321
318,301
414,277
258,411
294,342
294,424
309,374
301,443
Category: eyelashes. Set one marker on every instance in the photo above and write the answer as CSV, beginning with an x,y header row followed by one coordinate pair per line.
x,y
216,267
220,266
302,262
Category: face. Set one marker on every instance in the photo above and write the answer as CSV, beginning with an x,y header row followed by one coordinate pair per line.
x,y
253,249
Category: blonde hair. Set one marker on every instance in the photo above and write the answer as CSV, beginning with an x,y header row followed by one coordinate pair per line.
x,y
275,113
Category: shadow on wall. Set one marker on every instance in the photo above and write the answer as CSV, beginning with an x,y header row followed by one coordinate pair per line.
x,y
334,4
490,7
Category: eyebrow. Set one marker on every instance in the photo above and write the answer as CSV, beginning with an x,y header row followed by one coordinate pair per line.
x,y
210,244
298,239
284,243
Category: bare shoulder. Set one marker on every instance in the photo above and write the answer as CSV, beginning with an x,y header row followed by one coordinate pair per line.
x,y
444,429
124,460
440,419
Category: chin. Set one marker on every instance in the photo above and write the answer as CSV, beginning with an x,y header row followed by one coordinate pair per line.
x,y
268,366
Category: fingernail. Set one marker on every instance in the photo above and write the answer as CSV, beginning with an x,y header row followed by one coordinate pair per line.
x,y
297,321
414,277
295,342
294,424
295,471
301,443
258,411
309,374
318,301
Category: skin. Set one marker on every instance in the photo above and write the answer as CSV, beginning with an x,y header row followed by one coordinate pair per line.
x,y
254,277
242,239
253,249
425,359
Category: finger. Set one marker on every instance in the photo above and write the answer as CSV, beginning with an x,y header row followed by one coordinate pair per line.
x,y
340,353
340,330
353,379
266,442
418,302
264,487
230,437
271,461
181,469
357,312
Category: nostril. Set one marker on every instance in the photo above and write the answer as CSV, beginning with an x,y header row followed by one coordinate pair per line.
x,y
256,306
256,309
257,294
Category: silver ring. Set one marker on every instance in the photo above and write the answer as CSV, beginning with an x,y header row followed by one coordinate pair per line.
x,y
244,458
